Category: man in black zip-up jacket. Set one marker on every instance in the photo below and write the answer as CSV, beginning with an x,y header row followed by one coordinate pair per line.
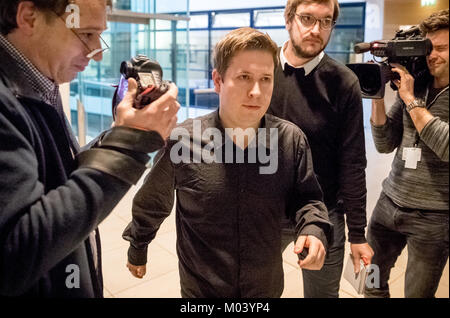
x,y
52,196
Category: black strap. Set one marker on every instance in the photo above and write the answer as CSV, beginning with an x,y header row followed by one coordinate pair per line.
x,y
113,163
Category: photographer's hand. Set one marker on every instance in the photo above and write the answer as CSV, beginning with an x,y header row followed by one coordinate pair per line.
x,y
419,115
405,85
159,116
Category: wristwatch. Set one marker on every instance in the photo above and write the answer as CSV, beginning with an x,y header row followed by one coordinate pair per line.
x,y
417,102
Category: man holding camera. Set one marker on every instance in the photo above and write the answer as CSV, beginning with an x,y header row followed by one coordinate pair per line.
x,y
413,207
52,196
323,98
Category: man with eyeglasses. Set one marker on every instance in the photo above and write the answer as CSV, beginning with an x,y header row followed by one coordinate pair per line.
x,y
52,195
323,98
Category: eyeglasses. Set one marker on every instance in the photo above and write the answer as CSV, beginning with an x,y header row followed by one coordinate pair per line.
x,y
92,52
309,21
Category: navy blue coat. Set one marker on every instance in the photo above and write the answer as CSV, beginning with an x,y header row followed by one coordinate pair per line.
x,y
48,208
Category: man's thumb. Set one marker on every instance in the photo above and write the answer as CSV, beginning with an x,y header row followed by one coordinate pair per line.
x,y
299,245
132,89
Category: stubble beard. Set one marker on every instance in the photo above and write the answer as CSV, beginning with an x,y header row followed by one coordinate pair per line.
x,y
304,54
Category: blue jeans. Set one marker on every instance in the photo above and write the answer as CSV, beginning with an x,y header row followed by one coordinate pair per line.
x,y
425,233
324,283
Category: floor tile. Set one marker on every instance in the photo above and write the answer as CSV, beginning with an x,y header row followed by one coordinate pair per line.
x,y
165,286
168,241
117,276
111,230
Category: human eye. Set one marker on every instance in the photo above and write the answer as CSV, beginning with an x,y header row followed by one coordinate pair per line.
x,y
307,19
244,77
87,35
441,48
327,22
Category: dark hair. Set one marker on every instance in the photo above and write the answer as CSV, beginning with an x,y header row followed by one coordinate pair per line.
x,y
8,11
239,40
435,22
292,5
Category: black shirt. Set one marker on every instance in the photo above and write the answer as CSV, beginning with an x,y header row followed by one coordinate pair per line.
x,y
326,104
228,214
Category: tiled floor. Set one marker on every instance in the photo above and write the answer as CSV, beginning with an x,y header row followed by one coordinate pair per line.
x,y
162,280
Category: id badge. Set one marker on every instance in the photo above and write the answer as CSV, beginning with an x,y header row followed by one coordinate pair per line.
x,y
411,156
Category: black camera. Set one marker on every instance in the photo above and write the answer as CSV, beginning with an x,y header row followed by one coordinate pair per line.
x,y
408,48
148,75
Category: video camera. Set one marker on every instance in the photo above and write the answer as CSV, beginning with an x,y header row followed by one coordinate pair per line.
x,y
148,75
408,48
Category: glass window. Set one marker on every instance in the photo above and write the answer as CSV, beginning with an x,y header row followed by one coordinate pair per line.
x,y
231,20
279,36
95,86
269,18
342,42
199,21
351,15
199,59
163,25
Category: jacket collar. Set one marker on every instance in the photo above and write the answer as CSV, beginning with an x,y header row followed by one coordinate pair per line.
x,y
308,66
14,77
213,121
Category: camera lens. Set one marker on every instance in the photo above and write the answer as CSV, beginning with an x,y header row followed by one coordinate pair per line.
x,y
126,69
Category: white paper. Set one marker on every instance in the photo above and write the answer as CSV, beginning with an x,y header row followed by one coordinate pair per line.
x,y
357,280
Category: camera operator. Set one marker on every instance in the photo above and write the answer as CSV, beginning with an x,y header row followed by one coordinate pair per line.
x,y
413,207
52,196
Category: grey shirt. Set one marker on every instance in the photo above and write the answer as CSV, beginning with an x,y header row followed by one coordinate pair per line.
x,y
426,187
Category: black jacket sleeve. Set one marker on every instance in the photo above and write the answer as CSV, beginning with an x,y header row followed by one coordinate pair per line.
x,y
39,228
151,206
311,215
352,163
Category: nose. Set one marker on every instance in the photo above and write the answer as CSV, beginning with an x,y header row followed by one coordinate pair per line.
x,y
316,28
433,54
255,90
98,57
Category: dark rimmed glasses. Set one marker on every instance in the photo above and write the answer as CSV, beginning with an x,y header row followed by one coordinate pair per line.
x,y
309,21
92,52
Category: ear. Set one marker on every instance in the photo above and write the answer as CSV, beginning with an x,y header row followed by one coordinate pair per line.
x,y
26,16
288,25
217,79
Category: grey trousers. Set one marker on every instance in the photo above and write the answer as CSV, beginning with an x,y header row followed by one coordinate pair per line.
x,y
425,233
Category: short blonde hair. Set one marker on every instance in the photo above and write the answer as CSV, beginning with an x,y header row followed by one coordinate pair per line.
x,y
238,40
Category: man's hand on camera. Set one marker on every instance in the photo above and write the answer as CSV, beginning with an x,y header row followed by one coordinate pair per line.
x,y
159,116
405,85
